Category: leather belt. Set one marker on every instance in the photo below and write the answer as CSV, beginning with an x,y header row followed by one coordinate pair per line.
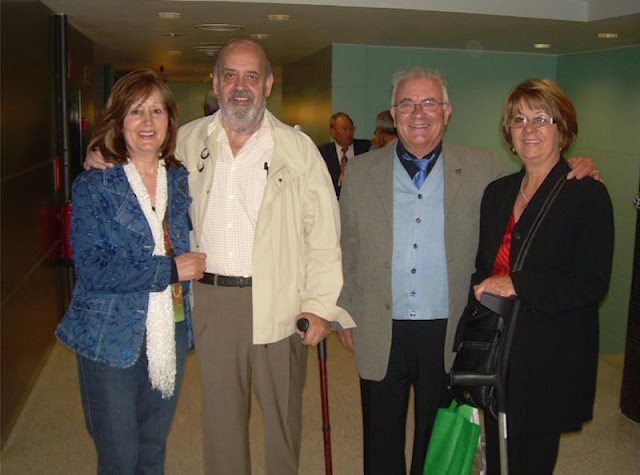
x,y
225,280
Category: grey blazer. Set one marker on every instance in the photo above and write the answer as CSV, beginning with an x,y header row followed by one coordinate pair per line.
x,y
366,208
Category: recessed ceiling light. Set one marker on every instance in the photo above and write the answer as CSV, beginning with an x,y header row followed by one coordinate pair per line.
x,y
207,47
221,27
259,36
542,45
607,35
175,52
169,15
279,17
209,50
171,34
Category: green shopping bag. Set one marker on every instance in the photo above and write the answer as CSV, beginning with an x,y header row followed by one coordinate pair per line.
x,y
453,442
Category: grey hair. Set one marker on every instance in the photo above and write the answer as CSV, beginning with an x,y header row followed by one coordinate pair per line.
x,y
418,72
384,121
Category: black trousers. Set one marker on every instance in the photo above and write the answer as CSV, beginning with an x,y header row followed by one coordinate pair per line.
x,y
416,359
529,454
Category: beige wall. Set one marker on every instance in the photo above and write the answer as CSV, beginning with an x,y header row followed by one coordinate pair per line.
x,y
306,94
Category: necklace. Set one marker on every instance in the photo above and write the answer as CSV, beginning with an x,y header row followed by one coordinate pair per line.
x,y
526,200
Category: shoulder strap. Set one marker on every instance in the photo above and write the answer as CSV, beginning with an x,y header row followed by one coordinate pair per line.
x,y
551,197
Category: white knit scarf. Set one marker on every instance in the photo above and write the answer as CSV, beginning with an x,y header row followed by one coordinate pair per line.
x,y
161,346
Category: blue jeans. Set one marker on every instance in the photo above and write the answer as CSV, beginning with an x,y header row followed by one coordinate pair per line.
x,y
128,420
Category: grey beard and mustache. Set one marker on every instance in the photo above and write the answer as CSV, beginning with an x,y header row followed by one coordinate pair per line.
x,y
242,120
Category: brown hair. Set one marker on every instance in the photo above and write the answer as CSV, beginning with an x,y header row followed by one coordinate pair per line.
x,y
134,88
546,95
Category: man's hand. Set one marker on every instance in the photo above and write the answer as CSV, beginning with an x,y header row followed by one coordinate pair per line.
x,y
190,265
582,167
94,160
318,329
346,337
498,284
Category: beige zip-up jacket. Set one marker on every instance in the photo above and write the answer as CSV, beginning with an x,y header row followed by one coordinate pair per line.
x,y
297,261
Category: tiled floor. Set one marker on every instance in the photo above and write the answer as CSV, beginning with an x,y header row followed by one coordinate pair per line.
x,y
50,437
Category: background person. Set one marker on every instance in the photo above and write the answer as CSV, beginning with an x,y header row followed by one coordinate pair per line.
x,y
210,103
336,154
552,370
129,319
384,131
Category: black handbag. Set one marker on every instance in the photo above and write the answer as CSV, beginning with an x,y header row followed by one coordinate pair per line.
x,y
484,336
487,330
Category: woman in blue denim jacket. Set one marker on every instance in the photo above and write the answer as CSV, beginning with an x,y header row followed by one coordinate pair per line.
x,y
129,320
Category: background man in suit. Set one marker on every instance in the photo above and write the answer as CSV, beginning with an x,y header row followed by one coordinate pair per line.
x,y
337,153
410,215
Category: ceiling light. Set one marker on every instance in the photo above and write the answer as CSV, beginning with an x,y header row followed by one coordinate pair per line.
x,y
608,35
542,45
220,27
279,17
208,49
169,15
171,34
259,36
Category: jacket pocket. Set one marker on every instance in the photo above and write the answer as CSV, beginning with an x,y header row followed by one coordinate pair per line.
x,y
85,325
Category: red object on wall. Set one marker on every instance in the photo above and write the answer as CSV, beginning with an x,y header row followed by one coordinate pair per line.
x,y
65,223
56,174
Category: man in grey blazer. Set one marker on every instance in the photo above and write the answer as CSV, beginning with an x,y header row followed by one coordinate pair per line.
x,y
409,245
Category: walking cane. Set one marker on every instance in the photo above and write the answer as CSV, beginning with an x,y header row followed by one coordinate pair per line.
x,y
303,326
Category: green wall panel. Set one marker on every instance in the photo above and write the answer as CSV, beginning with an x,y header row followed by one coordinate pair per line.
x,y
605,89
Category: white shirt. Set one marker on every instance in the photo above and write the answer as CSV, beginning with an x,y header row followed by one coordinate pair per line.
x,y
235,199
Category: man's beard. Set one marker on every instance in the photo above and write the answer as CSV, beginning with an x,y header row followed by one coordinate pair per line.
x,y
242,119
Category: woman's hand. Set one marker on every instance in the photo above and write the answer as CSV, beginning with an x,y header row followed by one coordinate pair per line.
x,y
190,265
498,284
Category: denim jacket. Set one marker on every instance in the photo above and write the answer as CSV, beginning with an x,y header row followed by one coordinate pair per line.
x,y
113,246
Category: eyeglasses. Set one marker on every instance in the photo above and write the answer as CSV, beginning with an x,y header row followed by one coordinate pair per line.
x,y
539,122
428,105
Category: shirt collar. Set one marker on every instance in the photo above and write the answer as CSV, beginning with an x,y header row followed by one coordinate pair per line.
x,y
349,151
406,158
403,152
